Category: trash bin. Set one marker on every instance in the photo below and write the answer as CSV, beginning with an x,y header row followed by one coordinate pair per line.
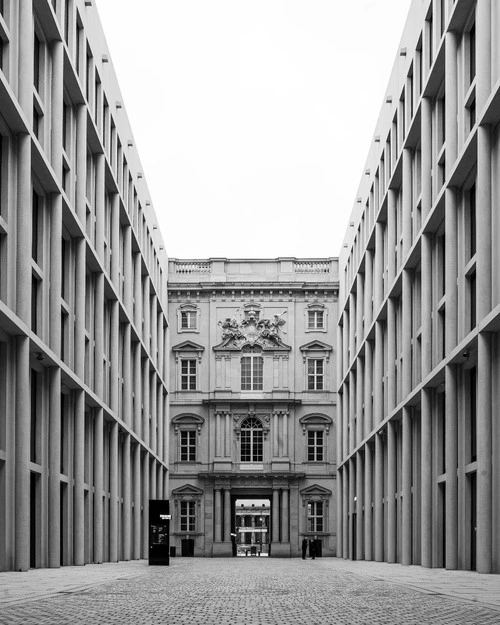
x,y
172,552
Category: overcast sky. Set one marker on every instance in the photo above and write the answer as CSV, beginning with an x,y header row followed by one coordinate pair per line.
x,y
253,118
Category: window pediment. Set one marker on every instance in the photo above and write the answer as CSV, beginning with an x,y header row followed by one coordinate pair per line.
x,y
187,421
315,491
316,421
316,349
188,349
187,491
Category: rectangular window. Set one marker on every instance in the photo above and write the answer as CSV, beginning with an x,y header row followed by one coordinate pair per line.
x,y
315,374
188,375
188,516
251,373
188,320
315,319
188,446
315,446
315,516
37,69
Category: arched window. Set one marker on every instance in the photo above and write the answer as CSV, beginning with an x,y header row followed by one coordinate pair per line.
x,y
252,436
251,369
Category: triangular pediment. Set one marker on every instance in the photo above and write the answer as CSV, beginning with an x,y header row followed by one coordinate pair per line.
x,y
315,490
187,490
188,346
316,346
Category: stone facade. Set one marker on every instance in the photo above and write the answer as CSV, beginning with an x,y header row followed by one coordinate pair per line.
x,y
252,354
419,340
82,301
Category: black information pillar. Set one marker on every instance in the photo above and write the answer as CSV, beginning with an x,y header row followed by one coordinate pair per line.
x,y
159,527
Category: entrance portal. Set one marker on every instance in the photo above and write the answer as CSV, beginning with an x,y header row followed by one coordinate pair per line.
x,y
251,523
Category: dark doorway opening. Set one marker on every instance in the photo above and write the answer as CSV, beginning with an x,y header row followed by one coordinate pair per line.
x,y
187,548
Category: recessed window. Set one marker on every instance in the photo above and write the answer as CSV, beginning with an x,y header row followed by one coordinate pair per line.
x,y
252,366
315,446
188,516
188,375
188,446
315,374
315,516
188,320
315,319
252,437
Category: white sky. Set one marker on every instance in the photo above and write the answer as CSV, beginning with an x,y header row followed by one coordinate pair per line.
x,y
253,118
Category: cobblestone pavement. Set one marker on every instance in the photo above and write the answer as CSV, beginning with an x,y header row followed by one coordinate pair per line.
x,y
250,591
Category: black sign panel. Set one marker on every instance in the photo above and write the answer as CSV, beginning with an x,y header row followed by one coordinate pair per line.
x,y
159,528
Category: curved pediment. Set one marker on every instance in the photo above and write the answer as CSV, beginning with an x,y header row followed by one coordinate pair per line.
x,y
316,420
187,421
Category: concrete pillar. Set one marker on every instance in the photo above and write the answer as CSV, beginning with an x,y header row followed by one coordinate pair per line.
x,y
345,505
352,507
54,468
340,512
79,478
25,67
360,300
24,226
352,410
276,515
426,157
392,480
484,456
128,280
145,504
137,502
368,379
127,377
99,335
81,165
426,296
146,313
56,200
217,514
368,498
99,207
115,387
153,433
379,499
378,374
80,308
391,235
451,463
152,480
483,53
407,462
407,204
138,373
379,267
98,485
227,514
426,478
360,506
115,242
368,288
159,412
127,508
285,538
22,455
360,389
406,337
345,421
391,354
113,493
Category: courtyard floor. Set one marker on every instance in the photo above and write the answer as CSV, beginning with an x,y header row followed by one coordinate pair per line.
x,y
250,591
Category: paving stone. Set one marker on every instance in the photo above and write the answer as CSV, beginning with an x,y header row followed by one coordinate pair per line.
x,y
325,591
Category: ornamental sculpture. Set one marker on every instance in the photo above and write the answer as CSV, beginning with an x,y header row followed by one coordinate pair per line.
x,y
251,330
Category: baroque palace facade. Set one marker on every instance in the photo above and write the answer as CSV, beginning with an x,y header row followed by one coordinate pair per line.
x,y
252,360
83,314
419,309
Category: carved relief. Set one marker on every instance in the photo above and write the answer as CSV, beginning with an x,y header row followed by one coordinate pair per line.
x,y
252,330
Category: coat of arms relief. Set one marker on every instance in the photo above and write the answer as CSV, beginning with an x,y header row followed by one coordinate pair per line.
x,y
252,330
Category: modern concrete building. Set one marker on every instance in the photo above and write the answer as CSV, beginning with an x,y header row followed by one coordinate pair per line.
x,y
419,340
82,300
252,351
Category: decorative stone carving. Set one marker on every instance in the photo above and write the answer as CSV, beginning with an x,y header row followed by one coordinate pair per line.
x,y
252,330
